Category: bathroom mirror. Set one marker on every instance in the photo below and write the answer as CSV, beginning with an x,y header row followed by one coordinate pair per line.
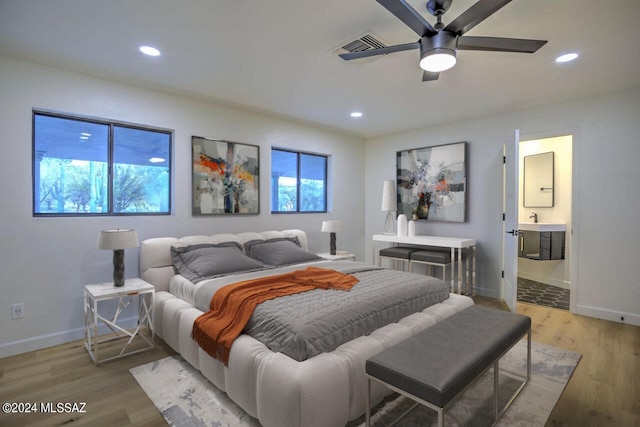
x,y
538,181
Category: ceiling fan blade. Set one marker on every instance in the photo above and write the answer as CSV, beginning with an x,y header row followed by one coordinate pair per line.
x,y
475,15
428,76
404,12
500,44
381,51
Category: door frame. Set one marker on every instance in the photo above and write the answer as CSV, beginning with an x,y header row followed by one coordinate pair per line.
x,y
573,237
510,205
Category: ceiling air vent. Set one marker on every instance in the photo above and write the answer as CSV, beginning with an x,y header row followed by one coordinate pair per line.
x,y
364,42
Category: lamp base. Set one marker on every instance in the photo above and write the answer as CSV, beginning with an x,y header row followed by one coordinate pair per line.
x,y
389,224
332,243
118,267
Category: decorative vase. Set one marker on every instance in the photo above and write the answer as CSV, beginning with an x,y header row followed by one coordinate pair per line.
x,y
402,225
412,228
422,212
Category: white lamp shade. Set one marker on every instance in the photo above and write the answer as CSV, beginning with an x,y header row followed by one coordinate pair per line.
x,y
117,239
389,196
331,226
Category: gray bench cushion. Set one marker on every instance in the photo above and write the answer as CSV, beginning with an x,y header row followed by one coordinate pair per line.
x,y
438,257
397,252
439,362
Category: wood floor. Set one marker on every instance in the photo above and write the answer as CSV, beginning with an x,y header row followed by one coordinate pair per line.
x,y
604,389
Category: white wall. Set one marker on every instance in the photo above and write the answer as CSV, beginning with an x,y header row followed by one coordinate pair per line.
x,y
606,151
46,261
561,146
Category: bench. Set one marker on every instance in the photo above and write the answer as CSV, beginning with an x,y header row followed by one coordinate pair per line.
x,y
396,253
433,257
437,364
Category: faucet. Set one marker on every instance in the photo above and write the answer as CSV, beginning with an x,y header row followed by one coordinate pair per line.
x,y
534,216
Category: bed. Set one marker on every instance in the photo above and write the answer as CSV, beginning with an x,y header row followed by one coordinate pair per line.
x,y
296,386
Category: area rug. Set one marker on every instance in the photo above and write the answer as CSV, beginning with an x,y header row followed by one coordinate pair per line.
x,y
186,398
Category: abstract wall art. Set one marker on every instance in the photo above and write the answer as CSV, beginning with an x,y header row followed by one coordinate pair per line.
x,y
432,182
226,177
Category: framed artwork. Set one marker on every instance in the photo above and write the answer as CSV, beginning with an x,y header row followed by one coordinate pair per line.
x,y
432,182
226,177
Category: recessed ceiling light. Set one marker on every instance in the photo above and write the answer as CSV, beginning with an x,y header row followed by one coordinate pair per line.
x,y
567,57
149,50
356,114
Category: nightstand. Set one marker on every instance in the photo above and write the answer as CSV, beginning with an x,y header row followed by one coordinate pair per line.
x,y
100,299
339,256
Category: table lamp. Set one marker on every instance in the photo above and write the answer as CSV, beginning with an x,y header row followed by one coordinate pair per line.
x,y
332,227
118,241
389,204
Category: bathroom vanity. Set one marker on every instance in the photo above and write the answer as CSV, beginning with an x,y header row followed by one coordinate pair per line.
x,y
541,241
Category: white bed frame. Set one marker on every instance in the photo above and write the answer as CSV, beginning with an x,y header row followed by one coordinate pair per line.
x,y
326,390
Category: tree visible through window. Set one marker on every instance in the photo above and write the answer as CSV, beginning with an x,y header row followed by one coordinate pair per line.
x,y
85,166
298,182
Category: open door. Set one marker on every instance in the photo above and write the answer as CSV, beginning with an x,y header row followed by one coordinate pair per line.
x,y
510,220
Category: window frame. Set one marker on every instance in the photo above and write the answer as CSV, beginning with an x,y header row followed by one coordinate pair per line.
x,y
111,124
298,154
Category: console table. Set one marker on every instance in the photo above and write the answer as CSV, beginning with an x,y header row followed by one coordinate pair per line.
x,y
456,244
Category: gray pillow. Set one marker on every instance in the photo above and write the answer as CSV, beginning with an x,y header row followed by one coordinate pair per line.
x,y
205,261
278,252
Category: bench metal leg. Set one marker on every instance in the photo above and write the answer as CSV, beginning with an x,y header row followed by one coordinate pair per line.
x,y
496,389
496,385
529,355
367,405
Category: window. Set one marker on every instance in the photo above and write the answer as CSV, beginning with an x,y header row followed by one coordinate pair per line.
x,y
298,182
95,167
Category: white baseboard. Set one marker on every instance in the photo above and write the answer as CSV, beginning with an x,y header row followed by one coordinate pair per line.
x,y
584,310
488,292
43,341
614,316
564,284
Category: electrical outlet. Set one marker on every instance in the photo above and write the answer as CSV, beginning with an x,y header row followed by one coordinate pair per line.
x,y
17,311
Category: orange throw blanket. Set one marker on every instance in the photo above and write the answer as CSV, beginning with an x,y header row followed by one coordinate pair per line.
x,y
233,305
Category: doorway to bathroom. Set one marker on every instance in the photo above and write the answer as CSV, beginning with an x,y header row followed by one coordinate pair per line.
x,y
544,221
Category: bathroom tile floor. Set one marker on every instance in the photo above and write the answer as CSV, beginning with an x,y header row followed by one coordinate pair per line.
x,y
542,294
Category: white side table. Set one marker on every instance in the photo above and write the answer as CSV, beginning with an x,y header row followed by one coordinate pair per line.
x,y
337,256
96,294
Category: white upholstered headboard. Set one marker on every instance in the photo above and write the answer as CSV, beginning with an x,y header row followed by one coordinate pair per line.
x,y
156,266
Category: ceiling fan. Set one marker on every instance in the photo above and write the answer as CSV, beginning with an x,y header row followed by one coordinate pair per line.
x,y
438,44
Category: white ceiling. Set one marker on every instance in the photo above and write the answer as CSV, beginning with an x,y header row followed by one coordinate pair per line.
x,y
276,56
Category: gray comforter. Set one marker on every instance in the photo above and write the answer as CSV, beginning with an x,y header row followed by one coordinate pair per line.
x,y
307,324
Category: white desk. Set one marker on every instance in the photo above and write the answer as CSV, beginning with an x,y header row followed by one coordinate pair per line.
x,y
456,244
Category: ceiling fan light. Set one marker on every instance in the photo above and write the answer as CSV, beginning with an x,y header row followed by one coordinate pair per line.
x,y
437,60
